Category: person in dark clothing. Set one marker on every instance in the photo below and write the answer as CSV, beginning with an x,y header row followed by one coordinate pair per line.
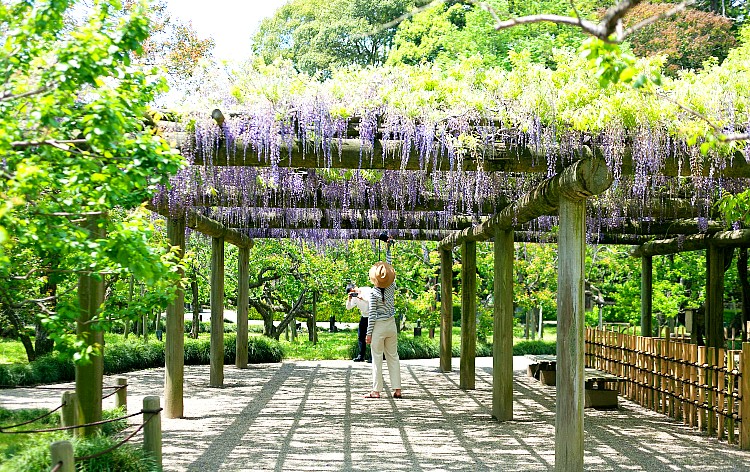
x,y
359,297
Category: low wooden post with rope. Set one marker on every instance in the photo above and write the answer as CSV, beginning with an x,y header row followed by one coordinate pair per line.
x,y
69,411
152,427
62,456
121,399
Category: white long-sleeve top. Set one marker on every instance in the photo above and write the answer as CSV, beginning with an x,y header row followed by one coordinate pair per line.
x,y
382,302
362,302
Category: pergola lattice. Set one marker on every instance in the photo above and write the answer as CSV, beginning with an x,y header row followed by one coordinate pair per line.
x,y
312,178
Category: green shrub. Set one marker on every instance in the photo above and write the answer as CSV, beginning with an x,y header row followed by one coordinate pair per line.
x,y
534,347
205,326
126,458
22,452
134,354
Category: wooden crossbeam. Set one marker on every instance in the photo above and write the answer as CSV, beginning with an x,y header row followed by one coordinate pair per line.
x,y
694,242
579,181
387,155
207,226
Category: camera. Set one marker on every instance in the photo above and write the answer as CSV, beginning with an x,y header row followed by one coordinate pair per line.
x,y
353,294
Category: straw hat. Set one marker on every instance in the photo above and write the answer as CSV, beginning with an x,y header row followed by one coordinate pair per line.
x,y
382,274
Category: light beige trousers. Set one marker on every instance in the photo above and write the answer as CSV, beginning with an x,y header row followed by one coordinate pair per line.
x,y
385,340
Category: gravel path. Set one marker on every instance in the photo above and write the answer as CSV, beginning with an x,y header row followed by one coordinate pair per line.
x,y
310,415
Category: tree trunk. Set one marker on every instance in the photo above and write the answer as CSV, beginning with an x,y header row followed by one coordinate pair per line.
x,y
89,377
744,289
42,342
20,332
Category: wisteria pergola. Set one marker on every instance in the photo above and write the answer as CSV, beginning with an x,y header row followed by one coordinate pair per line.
x,y
306,171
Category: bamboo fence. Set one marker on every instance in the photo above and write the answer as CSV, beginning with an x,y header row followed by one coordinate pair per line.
x,y
702,387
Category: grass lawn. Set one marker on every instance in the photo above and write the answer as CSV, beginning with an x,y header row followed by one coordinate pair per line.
x,y
12,352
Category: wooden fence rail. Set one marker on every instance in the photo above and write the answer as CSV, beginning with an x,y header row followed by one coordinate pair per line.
x,y
702,387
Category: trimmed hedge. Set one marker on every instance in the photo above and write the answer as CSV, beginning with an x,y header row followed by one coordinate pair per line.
x,y
423,347
136,355
410,347
535,347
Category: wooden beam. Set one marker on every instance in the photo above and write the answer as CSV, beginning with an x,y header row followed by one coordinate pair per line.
x,y
350,153
695,242
446,309
570,340
502,332
217,313
577,182
349,220
467,375
174,347
206,226
280,199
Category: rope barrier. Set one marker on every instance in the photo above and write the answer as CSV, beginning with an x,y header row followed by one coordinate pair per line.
x,y
116,389
3,428
128,438
56,467
66,428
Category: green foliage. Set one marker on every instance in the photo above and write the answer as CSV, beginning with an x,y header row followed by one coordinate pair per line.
x,y
534,347
126,458
78,161
456,29
320,35
687,39
31,452
129,355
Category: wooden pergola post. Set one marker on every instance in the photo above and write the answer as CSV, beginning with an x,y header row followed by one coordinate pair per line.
x,y
243,288
174,347
89,377
217,312
714,320
647,295
502,333
570,337
446,309
467,375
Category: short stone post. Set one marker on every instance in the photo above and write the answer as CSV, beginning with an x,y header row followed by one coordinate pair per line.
x,y
152,428
121,399
62,454
69,411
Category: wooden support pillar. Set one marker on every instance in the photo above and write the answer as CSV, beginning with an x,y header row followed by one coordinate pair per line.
x,y
646,295
467,376
217,313
714,320
446,309
502,333
89,376
174,347
570,339
243,288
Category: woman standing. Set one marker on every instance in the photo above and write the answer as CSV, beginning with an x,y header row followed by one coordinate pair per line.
x,y
382,334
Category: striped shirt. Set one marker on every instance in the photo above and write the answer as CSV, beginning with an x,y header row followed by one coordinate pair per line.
x,y
382,302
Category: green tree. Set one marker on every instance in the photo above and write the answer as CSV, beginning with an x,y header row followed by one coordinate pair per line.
x,y
75,155
688,39
321,35
454,29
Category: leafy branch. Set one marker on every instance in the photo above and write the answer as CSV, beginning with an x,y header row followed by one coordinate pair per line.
x,y
609,29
